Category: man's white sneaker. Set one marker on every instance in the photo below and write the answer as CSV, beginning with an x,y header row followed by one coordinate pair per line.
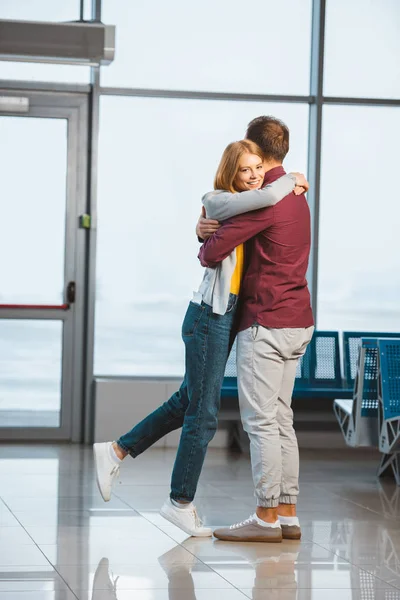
x,y
106,469
186,519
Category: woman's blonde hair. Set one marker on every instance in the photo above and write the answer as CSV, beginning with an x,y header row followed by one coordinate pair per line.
x,y
229,166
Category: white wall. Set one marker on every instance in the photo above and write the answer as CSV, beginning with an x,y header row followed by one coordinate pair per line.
x,y
121,403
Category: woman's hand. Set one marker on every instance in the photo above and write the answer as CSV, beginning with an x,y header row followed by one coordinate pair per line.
x,y
206,227
302,184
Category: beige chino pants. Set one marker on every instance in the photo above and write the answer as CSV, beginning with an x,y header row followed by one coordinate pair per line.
x,y
266,367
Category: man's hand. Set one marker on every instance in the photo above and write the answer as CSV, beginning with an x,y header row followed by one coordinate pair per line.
x,y
302,184
206,227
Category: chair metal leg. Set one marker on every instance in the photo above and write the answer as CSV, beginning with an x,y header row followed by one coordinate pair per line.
x,y
390,463
389,436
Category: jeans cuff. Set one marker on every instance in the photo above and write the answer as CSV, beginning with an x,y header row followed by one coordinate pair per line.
x,y
179,498
267,502
126,449
287,499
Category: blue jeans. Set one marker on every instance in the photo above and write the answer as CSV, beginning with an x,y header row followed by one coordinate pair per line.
x,y
195,406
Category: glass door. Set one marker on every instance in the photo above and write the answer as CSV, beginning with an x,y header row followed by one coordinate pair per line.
x,y
43,154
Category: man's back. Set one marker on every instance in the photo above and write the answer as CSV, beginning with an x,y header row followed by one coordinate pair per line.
x,y
275,292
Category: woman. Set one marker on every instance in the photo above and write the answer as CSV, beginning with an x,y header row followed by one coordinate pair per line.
x,y
206,332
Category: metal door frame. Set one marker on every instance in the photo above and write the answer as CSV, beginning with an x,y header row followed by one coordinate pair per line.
x,y
74,108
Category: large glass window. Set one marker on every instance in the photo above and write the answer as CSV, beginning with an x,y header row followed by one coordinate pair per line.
x,y
33,191
215,46
22,71
30,373
40,10
358,270
157,158
362,48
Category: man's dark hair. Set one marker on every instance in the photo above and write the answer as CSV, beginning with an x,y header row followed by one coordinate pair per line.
x,y
272,135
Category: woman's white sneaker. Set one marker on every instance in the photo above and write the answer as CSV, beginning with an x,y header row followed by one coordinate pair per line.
x,y
186,519
107,470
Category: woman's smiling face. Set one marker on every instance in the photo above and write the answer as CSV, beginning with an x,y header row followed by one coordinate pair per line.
x,y
250,175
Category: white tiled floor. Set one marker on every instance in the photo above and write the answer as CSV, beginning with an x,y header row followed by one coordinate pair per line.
x,y
60,541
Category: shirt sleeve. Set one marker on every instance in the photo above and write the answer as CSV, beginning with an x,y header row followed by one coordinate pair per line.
x,y
224,205
233,232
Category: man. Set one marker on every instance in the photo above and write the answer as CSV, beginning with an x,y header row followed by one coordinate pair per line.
x,y
275,326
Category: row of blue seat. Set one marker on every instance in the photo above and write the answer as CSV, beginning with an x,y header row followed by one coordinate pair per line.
x,y
372,417
319,373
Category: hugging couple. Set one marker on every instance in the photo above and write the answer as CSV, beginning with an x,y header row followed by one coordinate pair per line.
x,y
255,229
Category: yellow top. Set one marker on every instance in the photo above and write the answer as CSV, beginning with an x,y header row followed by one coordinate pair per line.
x,y
238,272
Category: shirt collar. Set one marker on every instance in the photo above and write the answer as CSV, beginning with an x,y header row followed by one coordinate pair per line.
x,y
274,174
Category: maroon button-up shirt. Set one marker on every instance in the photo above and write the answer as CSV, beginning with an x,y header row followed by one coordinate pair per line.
x,y
274,290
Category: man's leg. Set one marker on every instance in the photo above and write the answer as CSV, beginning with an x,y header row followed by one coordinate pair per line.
x,y
290,456
267,360
289,446
260,367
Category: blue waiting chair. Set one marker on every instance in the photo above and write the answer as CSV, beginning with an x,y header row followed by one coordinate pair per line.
x,y
389,406
351,346
358,418
318,371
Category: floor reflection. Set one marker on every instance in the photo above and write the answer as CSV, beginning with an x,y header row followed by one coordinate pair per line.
x,y
59,541
263,566
104,582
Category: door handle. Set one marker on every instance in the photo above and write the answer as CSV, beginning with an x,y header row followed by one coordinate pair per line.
x,y
71,290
